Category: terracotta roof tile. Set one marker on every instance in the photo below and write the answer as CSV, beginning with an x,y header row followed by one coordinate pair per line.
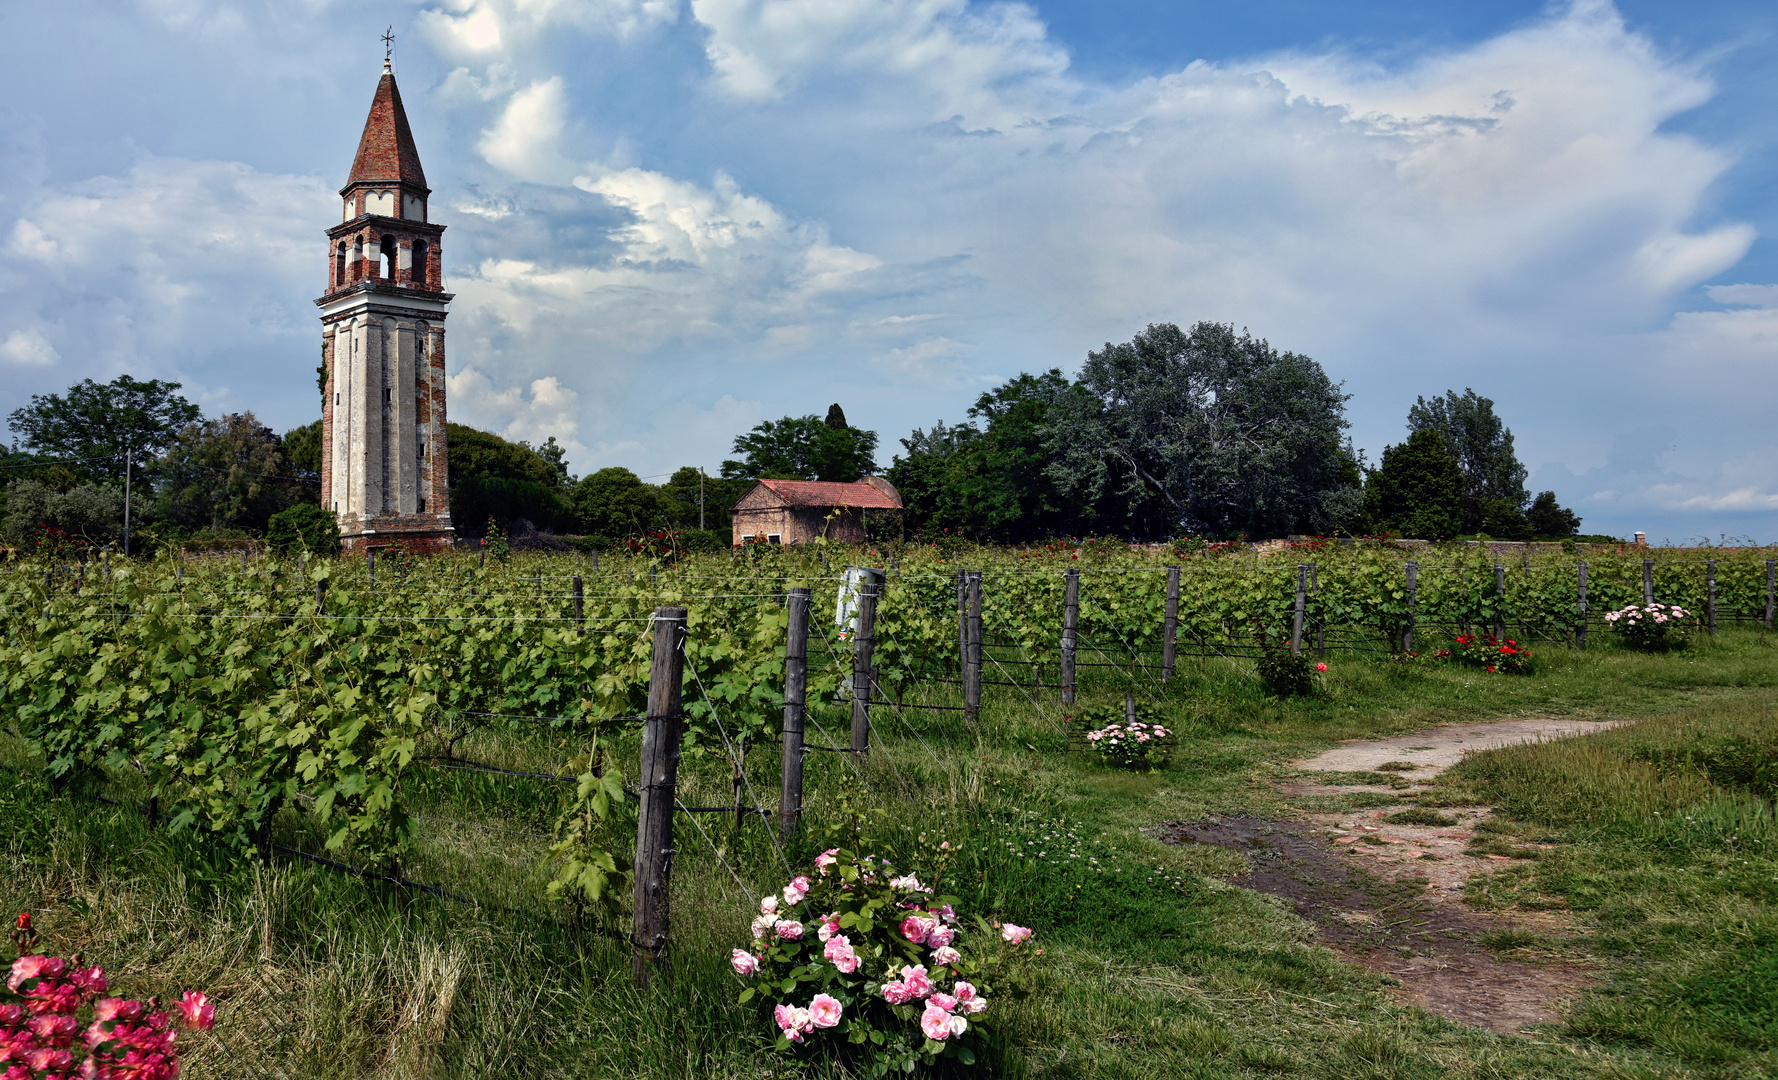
x,y
386,151
861,494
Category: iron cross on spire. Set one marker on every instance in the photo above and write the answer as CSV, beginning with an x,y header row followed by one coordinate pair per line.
x,y
388,43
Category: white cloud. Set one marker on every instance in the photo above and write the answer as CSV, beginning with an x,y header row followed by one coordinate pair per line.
x,y
28,348
526,140
944,57
477,28
1761,296
534,414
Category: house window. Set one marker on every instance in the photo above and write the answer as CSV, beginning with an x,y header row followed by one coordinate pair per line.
x,y
774,538
422,506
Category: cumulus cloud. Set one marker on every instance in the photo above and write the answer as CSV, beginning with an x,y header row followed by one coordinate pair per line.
x,y
534,413
194,270
526,140
28,348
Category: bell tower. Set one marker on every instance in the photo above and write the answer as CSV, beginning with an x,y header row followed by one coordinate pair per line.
x,y
383,468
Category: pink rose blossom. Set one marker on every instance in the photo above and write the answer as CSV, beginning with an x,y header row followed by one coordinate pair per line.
x,y
936,1023
916,928
826,859
824,1011
802,882
944,956
940,936
919,984
839,950
959,1025
943,1001
907,881
948,915
744,962
768,905
896,993
50,1060
1015,934
763,925
197,1010
793,895
789,930
116,1009
34,967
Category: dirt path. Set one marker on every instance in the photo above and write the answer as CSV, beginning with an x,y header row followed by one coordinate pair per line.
x,y
1389,894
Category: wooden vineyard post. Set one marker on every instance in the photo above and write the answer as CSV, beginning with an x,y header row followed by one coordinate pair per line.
x,y
371,561
1580,632
864,655
1499,602
579,606
1710,595
796,685
972,665
1648,581
243,558
1407,635
962,623
1129,707
1070,622
659,781
1302,604
1170,625
1320,618
1771,580
321,597
595,564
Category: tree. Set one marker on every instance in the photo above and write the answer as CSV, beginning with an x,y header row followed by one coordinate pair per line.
x,y
92,512
992,482
98,425
614,503
1417,491
493,478
719,494
1483,446
304,527
224,474
803,448
302,448
1208,431
552,453
1549,521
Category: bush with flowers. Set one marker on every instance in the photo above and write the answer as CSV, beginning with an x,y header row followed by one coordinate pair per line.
x,y
42,1037
1142,743
1650,627
868,962
1488,652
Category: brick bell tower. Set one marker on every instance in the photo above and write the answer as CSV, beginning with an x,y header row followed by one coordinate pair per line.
x,y
383,346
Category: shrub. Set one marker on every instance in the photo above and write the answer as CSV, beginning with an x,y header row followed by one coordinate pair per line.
x,y
1286,675
304,527
1487,652
1650,627
1126,743
866,963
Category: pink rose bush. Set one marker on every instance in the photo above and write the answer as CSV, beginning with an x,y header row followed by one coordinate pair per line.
x,y
1132,744
1651,627
864,962
41,1032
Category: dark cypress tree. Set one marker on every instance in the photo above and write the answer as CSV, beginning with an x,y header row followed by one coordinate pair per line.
x,y
1417,491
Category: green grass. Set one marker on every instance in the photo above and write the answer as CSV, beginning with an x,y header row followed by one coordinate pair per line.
x,y
1154,966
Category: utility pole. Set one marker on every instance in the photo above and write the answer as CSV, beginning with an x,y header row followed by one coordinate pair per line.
x,y
128,455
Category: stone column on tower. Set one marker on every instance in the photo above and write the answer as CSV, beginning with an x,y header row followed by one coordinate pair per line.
x,y
383,460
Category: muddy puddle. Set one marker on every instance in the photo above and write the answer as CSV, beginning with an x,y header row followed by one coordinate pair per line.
x,y
1389,894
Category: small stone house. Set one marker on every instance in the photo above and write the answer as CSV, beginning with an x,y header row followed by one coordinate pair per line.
x,y
798,511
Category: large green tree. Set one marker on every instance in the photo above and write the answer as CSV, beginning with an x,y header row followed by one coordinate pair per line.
x,y
614,503
989,482
1493,479
493,478
96,425
225,474
302,448
1206,430
688,484
804,448
1548,520
1417,491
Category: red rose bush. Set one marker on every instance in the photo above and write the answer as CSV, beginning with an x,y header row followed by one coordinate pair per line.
x,y
866,962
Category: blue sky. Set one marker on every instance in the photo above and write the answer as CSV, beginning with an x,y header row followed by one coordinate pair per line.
x,y
670,219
